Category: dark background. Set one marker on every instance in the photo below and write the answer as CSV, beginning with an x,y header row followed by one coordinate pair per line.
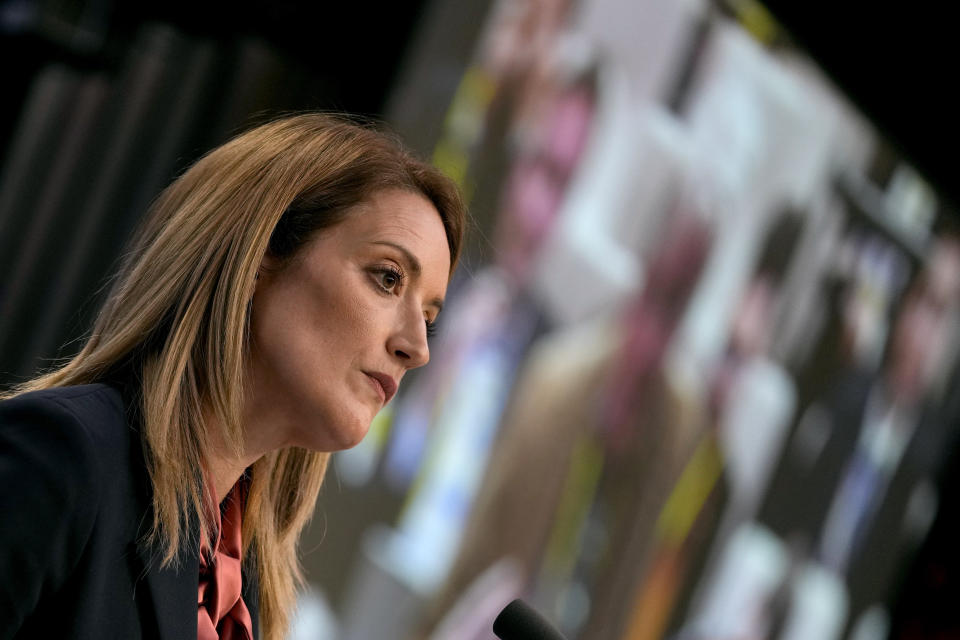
x,y
352,50
898,63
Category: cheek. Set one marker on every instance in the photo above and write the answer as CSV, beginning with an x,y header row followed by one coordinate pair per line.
x,y
284,332
344,319
316,330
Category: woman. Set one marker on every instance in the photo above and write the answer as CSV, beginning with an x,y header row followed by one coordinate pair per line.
x,y
276,295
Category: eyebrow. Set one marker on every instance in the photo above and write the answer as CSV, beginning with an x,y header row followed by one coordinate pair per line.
x,y
414,265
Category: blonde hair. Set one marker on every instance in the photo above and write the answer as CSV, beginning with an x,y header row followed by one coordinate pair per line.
x,y
176,322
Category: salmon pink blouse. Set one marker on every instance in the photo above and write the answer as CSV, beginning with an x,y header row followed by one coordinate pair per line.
x,y
221,612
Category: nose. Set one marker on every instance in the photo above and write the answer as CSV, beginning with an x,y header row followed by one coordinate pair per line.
x,y
409,342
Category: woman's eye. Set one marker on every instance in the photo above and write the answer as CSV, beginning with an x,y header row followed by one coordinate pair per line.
x,y
431,328
389,279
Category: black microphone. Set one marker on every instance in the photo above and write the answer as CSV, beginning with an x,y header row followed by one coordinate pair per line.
x,y
520,621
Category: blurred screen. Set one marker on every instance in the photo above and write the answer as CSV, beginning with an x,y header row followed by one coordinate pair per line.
x,y
695,379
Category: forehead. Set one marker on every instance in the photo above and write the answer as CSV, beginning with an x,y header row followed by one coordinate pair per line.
x,y
401,217
394,209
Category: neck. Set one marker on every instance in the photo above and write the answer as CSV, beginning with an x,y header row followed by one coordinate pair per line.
x,y
261,422
223,465
224,473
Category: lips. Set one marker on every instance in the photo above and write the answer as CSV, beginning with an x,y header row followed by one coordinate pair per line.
x,y
385,384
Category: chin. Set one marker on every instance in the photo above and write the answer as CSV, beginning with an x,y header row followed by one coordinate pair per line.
x,y
328,424
349,438
337,435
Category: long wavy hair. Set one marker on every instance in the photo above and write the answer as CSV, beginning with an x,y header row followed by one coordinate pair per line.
x,y
177,322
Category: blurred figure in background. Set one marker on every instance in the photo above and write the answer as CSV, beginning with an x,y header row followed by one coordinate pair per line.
x,y
858,471
749,406
595,406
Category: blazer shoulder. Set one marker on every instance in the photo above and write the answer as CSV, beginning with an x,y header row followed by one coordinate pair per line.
x,y
69,429
78,435
82,401
52,470
95,412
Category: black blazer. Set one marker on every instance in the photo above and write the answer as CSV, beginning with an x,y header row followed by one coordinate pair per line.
x,y
74,501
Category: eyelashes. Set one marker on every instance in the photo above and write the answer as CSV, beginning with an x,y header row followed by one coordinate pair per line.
x,y
388,279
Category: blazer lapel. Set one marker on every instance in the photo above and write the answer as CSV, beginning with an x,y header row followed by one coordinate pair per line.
x,y
251,593
167,597
173,594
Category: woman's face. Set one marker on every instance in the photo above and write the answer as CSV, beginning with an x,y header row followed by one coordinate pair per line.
x,y
335,330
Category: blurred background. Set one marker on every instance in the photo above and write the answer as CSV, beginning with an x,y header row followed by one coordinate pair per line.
x,y
698,373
